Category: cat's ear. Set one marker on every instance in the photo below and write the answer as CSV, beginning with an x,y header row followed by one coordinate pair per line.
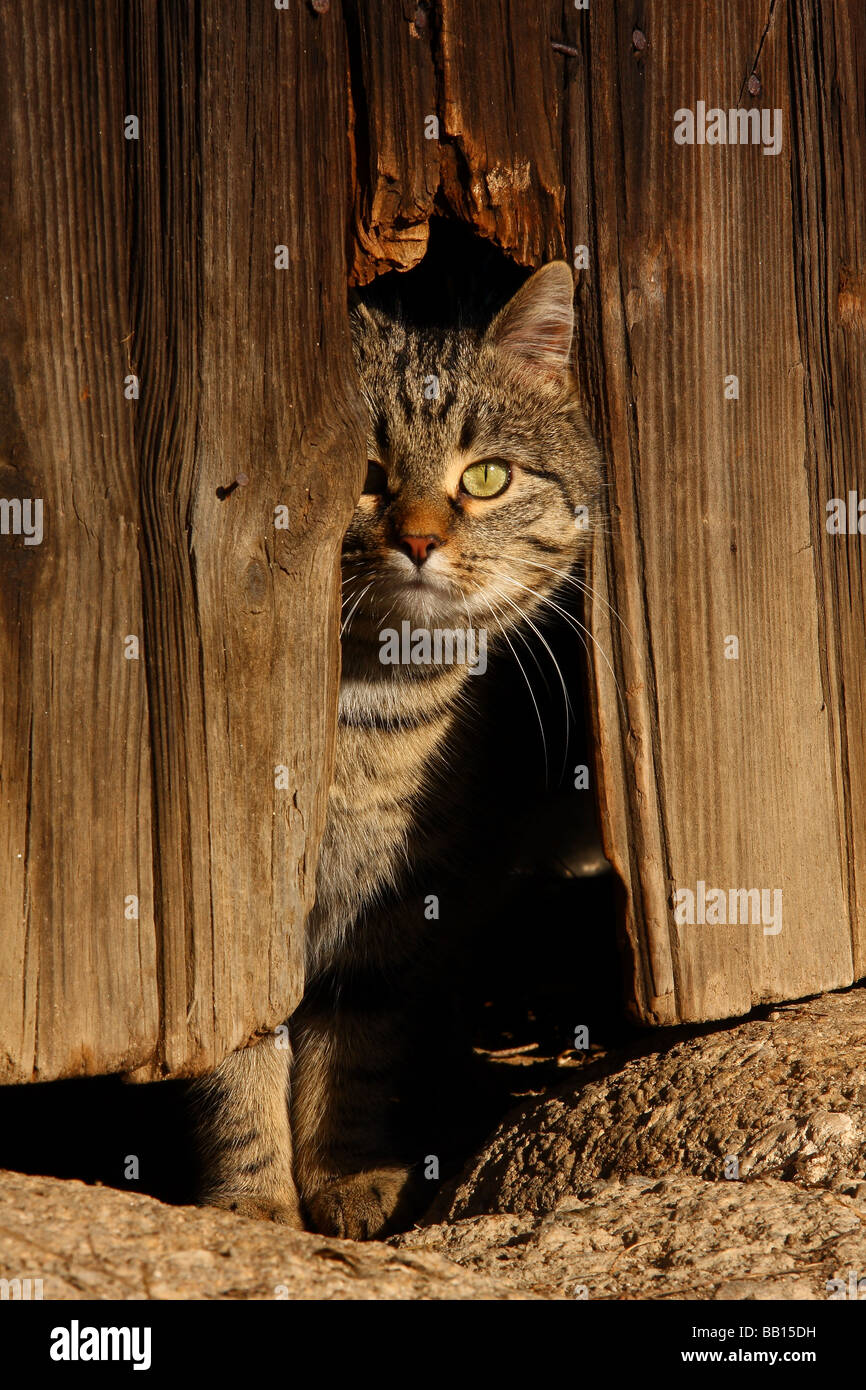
x,y
536,326
365,322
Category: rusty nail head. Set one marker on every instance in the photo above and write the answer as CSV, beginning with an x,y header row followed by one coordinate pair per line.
x,y
566,48
638,38
321,6
754,84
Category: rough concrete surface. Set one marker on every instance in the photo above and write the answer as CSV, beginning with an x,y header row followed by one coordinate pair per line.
x,y
610,1188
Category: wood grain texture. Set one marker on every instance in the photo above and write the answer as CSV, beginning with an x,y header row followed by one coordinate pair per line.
x,y
78,987
486,70
725,771
157,777
500,94
264,127
828,83
396,165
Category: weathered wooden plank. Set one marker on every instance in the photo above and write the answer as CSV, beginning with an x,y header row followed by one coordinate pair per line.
x,y
456,109
396,152
718,771
249,372
157,777
828,70
500,98
78,988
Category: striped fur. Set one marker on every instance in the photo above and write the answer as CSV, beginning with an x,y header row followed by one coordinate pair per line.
x,y
404,816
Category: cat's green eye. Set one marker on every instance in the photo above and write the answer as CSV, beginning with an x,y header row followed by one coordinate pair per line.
x,y
486,479
376,481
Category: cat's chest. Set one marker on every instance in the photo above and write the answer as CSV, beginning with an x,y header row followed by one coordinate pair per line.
x,y
382,775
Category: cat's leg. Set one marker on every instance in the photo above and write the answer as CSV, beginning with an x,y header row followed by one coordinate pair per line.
x,y
244,1135
355,1176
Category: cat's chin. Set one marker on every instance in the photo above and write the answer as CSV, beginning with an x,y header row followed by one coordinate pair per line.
x,y
427,608
425,600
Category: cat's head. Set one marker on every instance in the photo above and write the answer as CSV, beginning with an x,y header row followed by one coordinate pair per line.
x,y
483,478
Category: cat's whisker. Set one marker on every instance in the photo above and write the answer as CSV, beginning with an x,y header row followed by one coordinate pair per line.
x,y
348,620
518,632
593,594
573,622
568,708
521,636
350,583
579,628
504,633
524,617
540,635
569,617
374,614
465,605
347,598
382,621
569,578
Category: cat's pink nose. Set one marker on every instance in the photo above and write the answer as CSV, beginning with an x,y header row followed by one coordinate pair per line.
x,y
418,548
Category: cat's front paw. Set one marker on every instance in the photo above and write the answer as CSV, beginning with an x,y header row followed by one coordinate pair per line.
x,y
283,1210
364,1206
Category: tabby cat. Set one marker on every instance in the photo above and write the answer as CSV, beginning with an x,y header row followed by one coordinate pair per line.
x,y
481,472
